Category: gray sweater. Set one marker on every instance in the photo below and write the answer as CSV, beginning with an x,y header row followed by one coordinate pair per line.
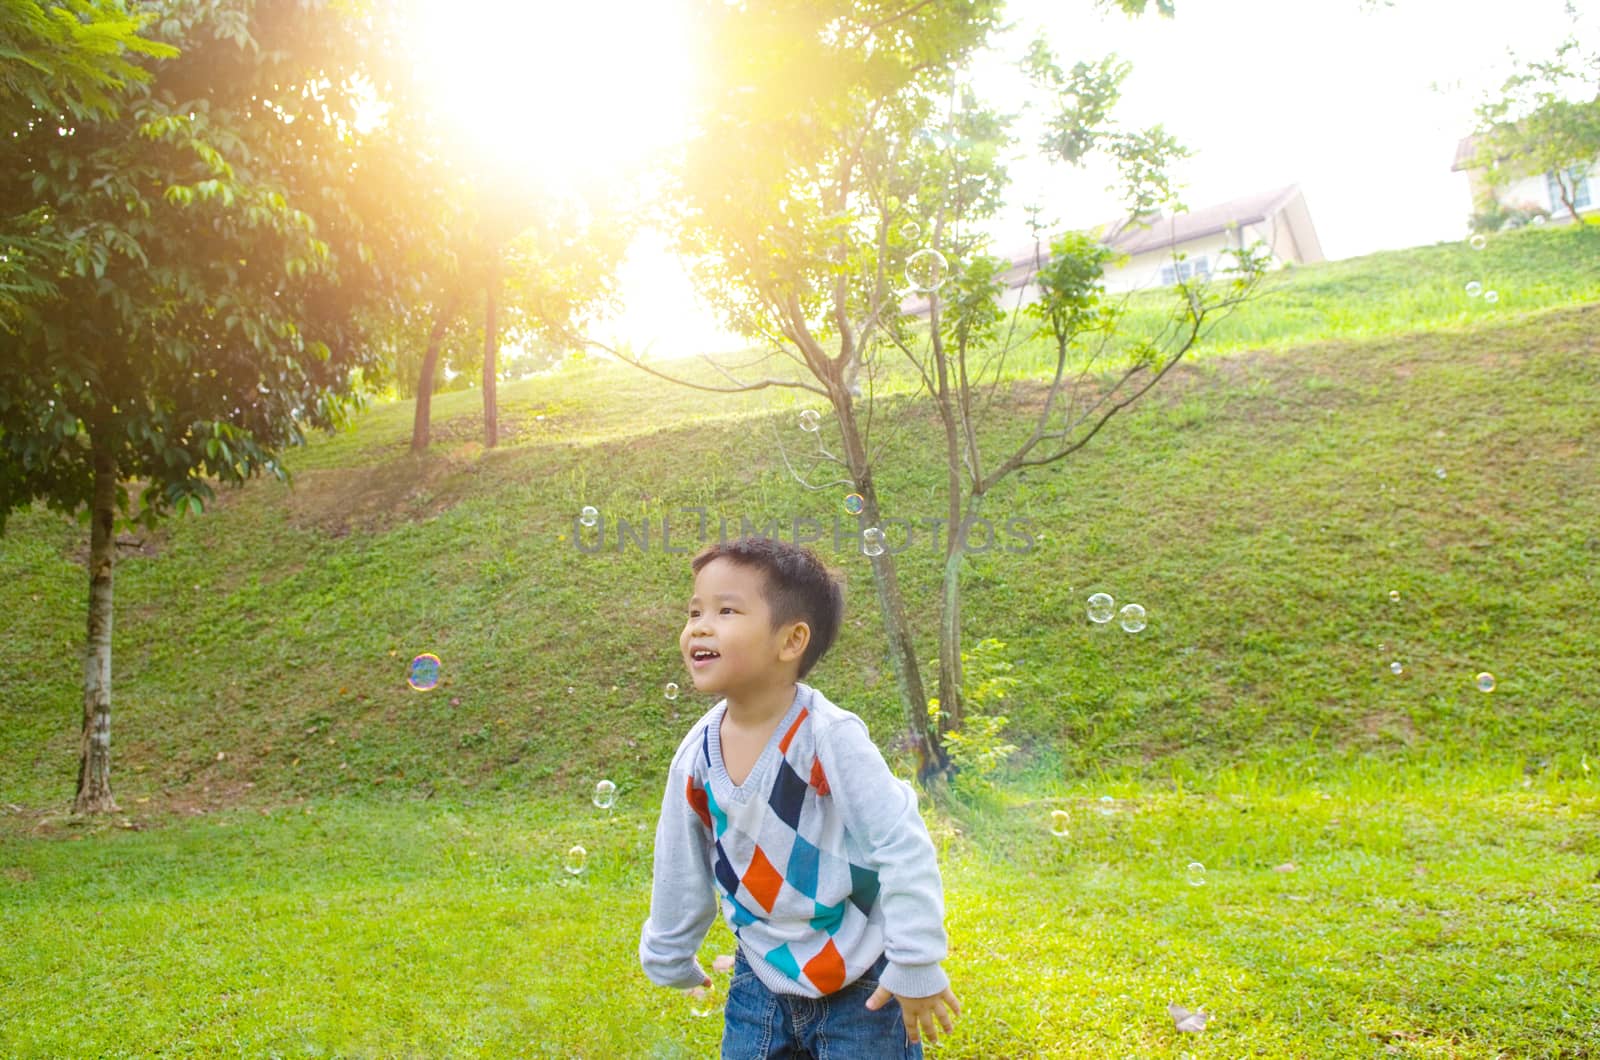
x,y
819,860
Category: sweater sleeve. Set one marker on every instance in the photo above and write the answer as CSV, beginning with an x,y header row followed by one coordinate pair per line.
x,y
683,901
880,811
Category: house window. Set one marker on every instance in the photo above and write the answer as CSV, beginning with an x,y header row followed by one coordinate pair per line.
x,y
1198,269
1579,179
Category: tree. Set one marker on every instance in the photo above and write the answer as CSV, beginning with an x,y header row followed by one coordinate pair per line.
x,y
804,105
57,59
223,247
503,257
541,271
1545,119
841,149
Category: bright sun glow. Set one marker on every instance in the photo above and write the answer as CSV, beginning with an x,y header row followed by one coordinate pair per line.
x,y
576,97
568,93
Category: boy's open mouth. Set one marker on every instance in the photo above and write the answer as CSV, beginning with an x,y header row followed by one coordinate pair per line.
x,y
702,657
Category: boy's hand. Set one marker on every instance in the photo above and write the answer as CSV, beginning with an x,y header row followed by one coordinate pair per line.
x,y
923,1015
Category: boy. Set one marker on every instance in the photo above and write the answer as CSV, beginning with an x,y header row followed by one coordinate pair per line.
x,y
779,806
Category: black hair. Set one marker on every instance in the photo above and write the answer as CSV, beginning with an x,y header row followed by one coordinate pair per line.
x,y
796,586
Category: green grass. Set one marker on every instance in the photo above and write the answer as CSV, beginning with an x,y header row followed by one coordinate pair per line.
x,y
1262,506
1390,293
1429,912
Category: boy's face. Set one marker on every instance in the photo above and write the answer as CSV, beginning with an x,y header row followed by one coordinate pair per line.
x,y
729,619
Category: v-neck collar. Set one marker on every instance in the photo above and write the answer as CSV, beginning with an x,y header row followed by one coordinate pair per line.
x,y
756,779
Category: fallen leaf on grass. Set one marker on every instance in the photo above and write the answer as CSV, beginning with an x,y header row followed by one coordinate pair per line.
x,y
1186,1021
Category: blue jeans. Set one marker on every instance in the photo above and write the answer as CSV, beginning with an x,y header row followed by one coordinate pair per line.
x,y
836,1027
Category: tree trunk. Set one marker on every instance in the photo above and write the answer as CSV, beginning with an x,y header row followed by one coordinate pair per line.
x,y
951,701
1567,197
931,758
491,416
951,707
430,362
94,748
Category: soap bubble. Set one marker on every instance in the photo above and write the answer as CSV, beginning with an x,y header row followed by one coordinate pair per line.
x,y
672,690
1485,682
1396,669
1108,805
589,516
576,859
1474,289
423,673
1478,241
854,502
1100,607
1196,874
1132,618
925,270
703,1000
1059,821
810,420
1491,297
1394,596
1440,472
605,793
1538,219
872,541
910,231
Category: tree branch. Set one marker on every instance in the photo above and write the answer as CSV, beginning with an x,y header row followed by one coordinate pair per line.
x,y
740,388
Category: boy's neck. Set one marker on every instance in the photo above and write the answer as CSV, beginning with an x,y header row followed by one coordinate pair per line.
x,y
751,709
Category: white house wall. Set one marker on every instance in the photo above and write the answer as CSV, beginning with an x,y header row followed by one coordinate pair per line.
x,y
1143,271
1535,191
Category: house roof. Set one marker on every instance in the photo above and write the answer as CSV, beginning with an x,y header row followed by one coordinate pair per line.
x,y
1131,238
1126,237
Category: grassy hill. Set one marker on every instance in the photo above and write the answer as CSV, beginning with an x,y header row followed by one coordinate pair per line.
x,y
1262,507
315,860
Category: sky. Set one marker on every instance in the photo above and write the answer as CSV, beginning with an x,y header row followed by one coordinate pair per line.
x,y
1359,103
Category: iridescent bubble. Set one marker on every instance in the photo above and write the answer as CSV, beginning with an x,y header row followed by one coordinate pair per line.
x,y
605,793
1101,607
1396,669
1474,289
1108,805
1478,242
1196,874
1440,472
671,690
910,231
872,541
925,270
1394,596
1132,618
1491,297
854,502
575,860
1485,682
1060,822
423,673
703,1001
589,516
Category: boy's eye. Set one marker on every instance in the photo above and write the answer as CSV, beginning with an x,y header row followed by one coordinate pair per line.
x,y
727,610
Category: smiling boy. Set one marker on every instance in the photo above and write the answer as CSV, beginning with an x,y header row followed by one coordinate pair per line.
x,y
780,808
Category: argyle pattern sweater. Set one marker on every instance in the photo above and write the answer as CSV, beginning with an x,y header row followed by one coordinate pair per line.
x,y
819,860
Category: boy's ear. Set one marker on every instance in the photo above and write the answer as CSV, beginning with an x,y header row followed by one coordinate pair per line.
x,y
795,641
